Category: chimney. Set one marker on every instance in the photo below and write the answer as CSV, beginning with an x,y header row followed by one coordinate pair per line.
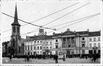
x,y
68,29
53,33
74,31
45,33
88,30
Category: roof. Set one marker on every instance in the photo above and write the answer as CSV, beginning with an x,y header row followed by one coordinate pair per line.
x,y
82,32
65,33
96,33
16,17
40,37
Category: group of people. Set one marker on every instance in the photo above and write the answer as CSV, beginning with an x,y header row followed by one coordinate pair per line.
x,y
94,57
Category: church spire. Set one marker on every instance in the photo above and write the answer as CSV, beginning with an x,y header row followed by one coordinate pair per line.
x,y
15,17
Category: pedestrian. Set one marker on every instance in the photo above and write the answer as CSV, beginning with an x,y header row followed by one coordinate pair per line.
x,y
28,56
25,57
94,58
64,57
56,58
10,57
11,52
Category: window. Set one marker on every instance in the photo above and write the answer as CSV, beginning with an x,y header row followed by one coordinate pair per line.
x,y
94,39
98,51
19,49
34,48
28,47
94,44
31,53
34,41
83,45
83,51
98,38
37,41
31,47
82,38
34,53
25,47
50,42
64,39
90,44
98,44
90,39
38,52
56,46
40,47
56,40
95,52
40,41
68,45
50,47
90,52
18,29
14,30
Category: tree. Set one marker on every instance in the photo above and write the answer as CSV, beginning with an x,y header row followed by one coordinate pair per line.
x,y
5,44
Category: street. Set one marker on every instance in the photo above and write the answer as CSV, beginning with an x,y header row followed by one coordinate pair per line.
x,y
48,61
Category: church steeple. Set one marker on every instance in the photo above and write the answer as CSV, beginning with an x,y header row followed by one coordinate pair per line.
x,y
15,37
16,17
15,24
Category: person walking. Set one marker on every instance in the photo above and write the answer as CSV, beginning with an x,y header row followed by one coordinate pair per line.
x,y
64,57
56,58
28,56
11,52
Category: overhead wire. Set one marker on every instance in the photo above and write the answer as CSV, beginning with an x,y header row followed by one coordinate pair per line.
x,y
86,17
66,14
28,22
53,13
80,20
43,16
73,22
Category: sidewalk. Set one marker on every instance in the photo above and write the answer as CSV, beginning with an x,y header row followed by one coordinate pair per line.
x,y
48,61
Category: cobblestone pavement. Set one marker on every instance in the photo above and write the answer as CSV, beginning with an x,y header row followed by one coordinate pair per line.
x,y
48,61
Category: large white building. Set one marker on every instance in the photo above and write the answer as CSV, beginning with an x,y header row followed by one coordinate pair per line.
x,y
69,42
94,42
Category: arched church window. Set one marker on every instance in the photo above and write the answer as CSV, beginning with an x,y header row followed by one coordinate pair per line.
x,y
14,30
18,29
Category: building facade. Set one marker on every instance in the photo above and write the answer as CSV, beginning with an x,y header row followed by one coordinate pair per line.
x,y
94,42
69,42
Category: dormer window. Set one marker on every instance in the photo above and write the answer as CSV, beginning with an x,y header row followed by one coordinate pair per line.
x,y
56,40
83,45
83,38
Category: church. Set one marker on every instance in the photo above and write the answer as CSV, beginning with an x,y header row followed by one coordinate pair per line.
x,y
16,42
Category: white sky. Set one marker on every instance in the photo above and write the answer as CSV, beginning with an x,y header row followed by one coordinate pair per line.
x,y
30,10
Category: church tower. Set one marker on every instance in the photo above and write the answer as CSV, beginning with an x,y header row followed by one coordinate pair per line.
x,y
15,37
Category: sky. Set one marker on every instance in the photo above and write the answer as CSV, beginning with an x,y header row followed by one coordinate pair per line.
x,y
31,10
